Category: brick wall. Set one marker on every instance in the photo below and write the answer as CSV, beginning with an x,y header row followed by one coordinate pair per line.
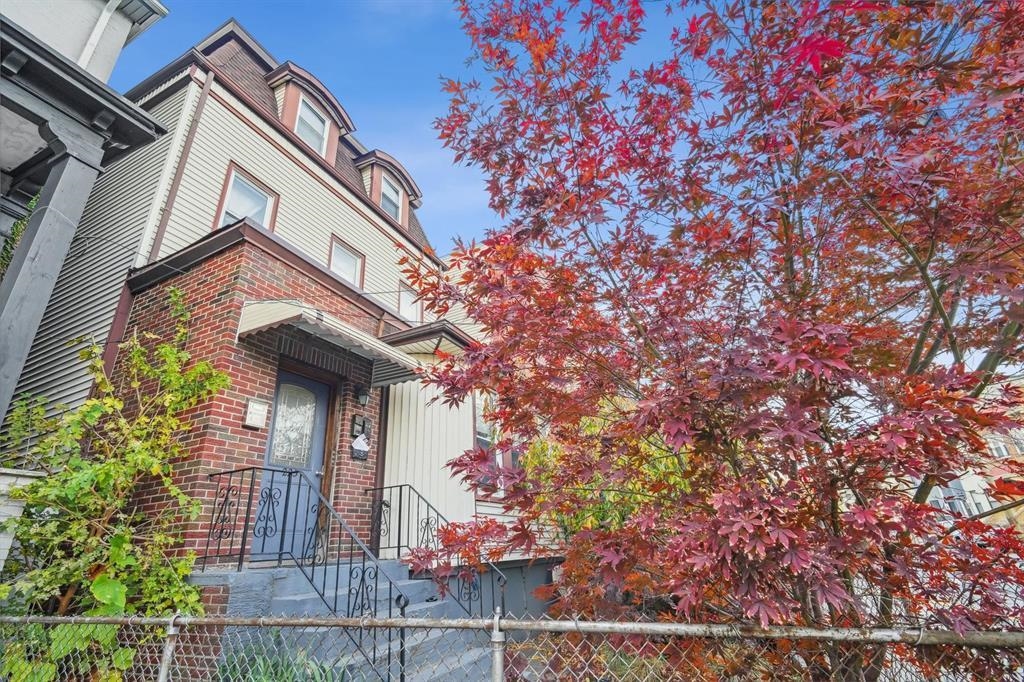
x,y
214,292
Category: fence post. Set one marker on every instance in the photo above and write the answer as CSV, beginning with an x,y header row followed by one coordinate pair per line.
x,y
497,649
168,656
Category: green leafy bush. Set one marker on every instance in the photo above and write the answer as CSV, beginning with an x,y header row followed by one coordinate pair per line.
x,y
11,243
84,546
278,662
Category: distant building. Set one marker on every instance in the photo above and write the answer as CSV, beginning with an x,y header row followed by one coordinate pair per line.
x,y
969,495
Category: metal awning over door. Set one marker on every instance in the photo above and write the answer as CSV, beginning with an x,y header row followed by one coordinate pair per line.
x,y
390,366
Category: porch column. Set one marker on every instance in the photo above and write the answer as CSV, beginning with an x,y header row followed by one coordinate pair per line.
x,y
28,283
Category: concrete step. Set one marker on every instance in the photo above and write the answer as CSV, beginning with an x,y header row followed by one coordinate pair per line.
x,y
429,655
293,578
306,601
473,663
368,654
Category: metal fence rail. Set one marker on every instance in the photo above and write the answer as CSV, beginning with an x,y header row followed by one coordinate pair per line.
x,y
40,649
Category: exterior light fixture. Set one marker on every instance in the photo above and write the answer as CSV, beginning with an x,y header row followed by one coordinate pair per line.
x,y
362,395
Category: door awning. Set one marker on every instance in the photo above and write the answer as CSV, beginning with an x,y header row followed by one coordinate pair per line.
x,y
390,366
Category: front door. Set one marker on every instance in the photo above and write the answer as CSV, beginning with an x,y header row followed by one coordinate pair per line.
x,y
285,524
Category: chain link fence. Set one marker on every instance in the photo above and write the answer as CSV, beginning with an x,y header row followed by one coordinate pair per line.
x,y
41,649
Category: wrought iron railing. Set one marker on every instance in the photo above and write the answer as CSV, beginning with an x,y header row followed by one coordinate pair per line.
x,y
262,514
402,519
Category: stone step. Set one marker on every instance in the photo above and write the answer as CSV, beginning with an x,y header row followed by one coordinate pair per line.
x,y
429,655
308,602
294,578
473,663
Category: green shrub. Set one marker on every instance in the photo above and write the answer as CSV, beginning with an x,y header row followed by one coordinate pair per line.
x,y
11,243
84,547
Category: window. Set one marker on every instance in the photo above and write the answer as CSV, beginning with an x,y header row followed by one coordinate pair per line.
x,y
311,126
391,198
998,448
347,262
982,503
484,430
408,306
245,200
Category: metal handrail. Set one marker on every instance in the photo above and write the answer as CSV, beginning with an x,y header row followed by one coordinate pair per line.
x,y
325,542
467,590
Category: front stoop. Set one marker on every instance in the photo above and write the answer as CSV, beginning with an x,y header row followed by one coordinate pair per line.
x,y
286,592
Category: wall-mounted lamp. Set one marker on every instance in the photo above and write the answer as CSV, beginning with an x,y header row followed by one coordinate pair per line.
x,y
362,395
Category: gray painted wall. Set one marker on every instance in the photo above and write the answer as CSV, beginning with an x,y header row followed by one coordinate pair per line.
x,y
67,25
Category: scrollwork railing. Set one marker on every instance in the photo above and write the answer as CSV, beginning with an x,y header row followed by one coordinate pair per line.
x,y
402,519
286,519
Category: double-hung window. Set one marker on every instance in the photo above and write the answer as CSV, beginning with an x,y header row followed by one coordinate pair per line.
x,y
483,437
311,126
245,200
408,307
347,263
998,447
391,198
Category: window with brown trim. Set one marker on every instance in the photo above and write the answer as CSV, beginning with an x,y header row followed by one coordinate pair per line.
x,y
244,197
311,126
346,262
408,307
391,197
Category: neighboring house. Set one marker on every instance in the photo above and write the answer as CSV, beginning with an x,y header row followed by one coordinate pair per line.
x,y
284,234
60,127
970,495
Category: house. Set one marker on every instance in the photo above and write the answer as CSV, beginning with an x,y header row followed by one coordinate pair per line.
x,y
970,494
61,126
324,463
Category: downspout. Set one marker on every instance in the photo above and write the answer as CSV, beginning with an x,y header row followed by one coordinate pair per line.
x,y
382,439
97,32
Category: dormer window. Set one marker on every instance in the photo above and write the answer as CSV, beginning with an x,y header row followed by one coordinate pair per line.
x,y
311,126
391,198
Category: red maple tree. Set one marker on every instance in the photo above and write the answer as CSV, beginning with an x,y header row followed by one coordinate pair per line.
x,y
785,255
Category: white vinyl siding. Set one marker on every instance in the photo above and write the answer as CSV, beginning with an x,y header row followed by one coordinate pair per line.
x,y
421,438
308,212
279,98
106,245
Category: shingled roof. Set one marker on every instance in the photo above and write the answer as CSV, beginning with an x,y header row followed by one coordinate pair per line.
x,y
239,57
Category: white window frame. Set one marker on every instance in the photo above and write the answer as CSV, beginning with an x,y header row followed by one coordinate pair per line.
x,y
316,112
242,177
483,430
360,262
418,305
998,447
385,180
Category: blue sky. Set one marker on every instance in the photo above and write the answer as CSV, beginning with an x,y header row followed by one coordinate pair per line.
x,y
381,58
